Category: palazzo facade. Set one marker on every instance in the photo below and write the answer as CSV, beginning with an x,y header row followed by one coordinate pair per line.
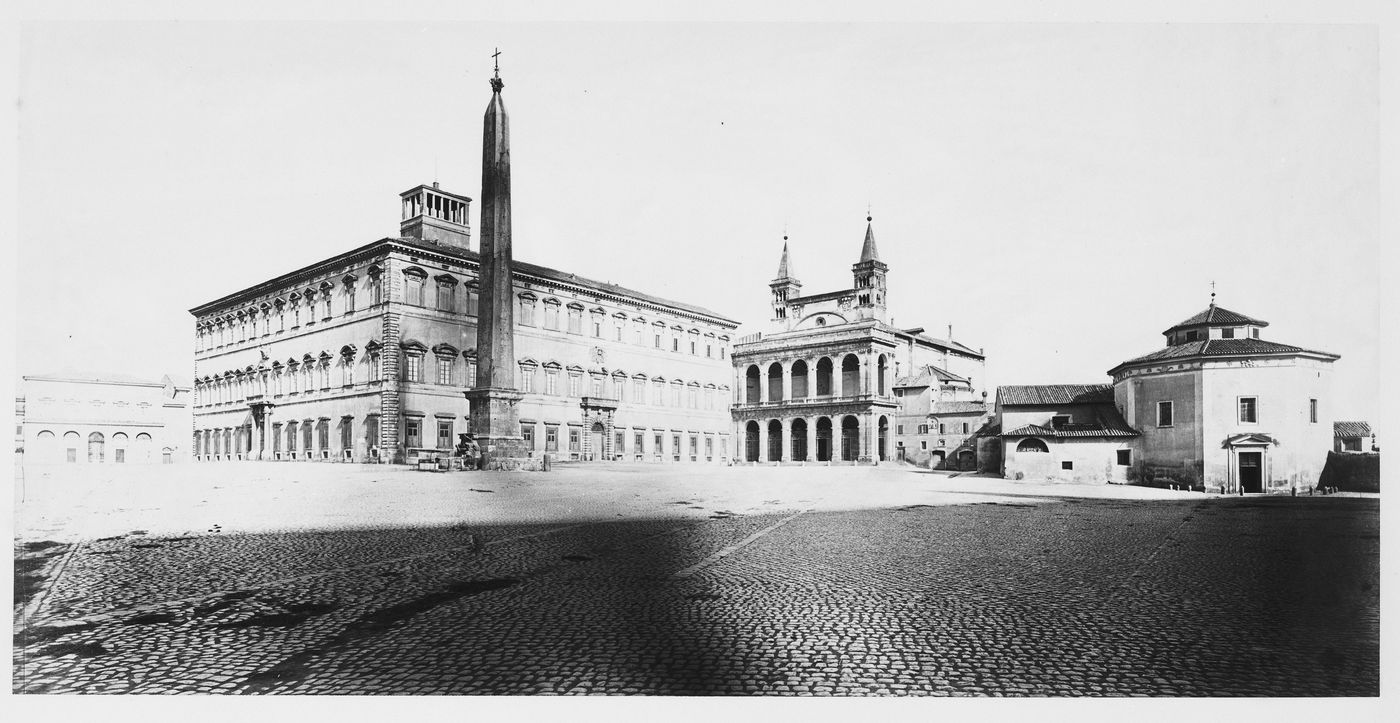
x,y
370,355
821,386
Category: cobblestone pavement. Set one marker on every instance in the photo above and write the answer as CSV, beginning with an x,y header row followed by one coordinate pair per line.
x,y
1021,596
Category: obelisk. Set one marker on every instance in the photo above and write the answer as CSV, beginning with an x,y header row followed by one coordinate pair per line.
x,y
495,419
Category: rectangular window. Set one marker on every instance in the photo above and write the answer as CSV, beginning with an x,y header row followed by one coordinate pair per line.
x,y
445,292
1227,333
551,382
374,367
709,446
444,440
551,316
1312,411
1249,413
1254,333
1066,465
676,447
1125,457
527,312
923,429
675,343
573,385
637,438
965,428
658,394
444,371
694,445
551,438
575,321
709,350
658,444
527,380
598,329
658,339
575,439
413,430
527,433
690,397
1164,414
619,330
619,386
619,439
413,287
676,395
692,347
942,428
473,301
899,429
413,370
349,299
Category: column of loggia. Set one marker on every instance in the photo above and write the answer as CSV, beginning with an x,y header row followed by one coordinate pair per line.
x,y
786,451
812,439
762,441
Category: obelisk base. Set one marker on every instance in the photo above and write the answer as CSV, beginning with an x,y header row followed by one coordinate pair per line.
x,y
495,422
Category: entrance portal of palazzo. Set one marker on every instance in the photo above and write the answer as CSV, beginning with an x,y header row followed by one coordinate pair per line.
x,y
598,421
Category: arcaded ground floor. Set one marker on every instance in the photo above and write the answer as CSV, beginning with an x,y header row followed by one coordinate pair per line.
x,y
675,580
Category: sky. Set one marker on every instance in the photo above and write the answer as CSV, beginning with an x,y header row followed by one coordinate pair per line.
x,y
1059,193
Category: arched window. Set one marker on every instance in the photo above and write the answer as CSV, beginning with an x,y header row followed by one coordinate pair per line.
x,y
71,440
96,447
119,442
1031,444
142,450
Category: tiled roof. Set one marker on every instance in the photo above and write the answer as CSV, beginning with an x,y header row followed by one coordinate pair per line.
x,y
1109,423
1351,429
958,408
1224,347
1054,394
927,376
1216,315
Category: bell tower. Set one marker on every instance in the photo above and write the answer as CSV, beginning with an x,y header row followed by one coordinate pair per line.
x,y
785,287
869,275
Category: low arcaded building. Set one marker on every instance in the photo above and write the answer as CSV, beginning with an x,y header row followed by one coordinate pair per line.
x,y
103,419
